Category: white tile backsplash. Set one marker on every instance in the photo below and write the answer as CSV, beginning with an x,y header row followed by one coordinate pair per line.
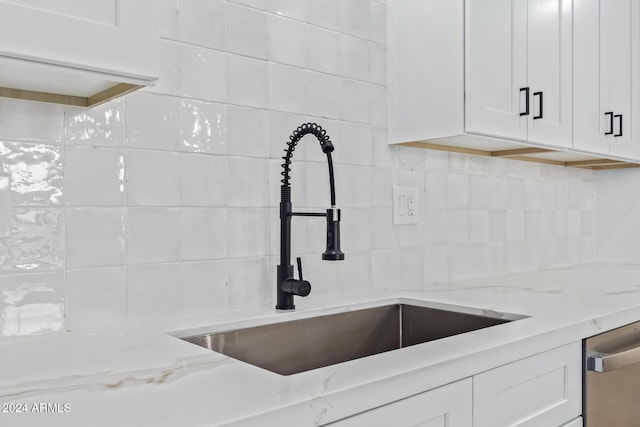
x,y
287,88
96,297
247,81
203,234
94,176
95,237
248,130
36,242
153,291
355,17
324,49
202,23
203,73
164,203
5,206
324,13
355,55
204,286
169,71
32,304
153,235
320,99
378,23
35,173
292,9
248,183
247,32
203,127
152,121
355,101
29,121
203,180
288,41
153,178
101,125
247,285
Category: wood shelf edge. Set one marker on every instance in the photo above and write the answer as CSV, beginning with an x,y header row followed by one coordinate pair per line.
x,y
115,91
521,154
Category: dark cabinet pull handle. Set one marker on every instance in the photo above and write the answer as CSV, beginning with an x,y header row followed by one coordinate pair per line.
x,y
540,103
610,114
526,100
619,117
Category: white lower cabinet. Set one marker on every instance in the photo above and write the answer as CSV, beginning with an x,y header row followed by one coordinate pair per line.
x,y
446,406
541,390
544,390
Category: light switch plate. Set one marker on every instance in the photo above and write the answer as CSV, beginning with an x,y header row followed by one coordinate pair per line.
x,y
406,205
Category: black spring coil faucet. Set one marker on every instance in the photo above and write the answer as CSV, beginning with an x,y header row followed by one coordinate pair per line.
x,y
287,285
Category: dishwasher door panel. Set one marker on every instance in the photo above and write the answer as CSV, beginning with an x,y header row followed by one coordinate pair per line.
x,y
612,394
613,398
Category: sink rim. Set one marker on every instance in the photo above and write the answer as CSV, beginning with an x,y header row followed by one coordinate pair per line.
x,y
275,316
289,363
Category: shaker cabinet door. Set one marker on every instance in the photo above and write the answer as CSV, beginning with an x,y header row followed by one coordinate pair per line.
x,y
607,77
496,75
446,406
519,70
549,70
77,48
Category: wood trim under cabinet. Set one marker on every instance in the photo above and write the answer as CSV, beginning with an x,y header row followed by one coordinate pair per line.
x,y
78,101
520,154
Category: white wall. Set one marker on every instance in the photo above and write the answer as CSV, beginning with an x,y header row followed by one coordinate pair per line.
x,y
164,203
618,215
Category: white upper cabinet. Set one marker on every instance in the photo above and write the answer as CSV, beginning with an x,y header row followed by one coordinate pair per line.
x,y
496,59
75,51
519,70
607,77
425,84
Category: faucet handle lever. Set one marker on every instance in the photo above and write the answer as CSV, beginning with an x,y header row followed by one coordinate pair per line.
x,y
299,262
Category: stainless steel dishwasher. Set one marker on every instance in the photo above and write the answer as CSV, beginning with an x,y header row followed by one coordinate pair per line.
x,y
612,392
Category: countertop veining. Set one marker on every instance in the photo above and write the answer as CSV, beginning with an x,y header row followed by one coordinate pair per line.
x,y
143,376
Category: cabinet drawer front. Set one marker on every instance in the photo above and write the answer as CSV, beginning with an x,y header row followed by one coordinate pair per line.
x,y
545,389
575,423
447,406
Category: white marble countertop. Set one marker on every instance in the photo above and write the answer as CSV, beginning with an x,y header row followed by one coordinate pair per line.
x,y
142,376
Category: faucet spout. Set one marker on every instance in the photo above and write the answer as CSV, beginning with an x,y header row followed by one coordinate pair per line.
x,y
287,286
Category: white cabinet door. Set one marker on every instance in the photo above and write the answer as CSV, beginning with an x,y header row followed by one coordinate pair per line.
x,y
615,71
425,101
447,406
518,59
542,390
590,123
117,36
77,48
549,66
619,79
496,74
606,80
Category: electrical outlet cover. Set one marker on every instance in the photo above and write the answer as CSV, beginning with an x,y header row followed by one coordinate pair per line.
x,y
406,206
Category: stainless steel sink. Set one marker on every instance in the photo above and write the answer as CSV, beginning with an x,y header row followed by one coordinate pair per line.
x,y
301,345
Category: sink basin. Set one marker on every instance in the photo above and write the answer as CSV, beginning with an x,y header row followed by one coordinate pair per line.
x,y
300,345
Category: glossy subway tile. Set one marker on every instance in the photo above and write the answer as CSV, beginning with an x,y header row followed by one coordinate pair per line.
x,y
36,241
35,171
94,176
102,125
32,304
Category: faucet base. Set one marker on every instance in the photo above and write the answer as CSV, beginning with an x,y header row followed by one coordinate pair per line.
x,y
285,300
